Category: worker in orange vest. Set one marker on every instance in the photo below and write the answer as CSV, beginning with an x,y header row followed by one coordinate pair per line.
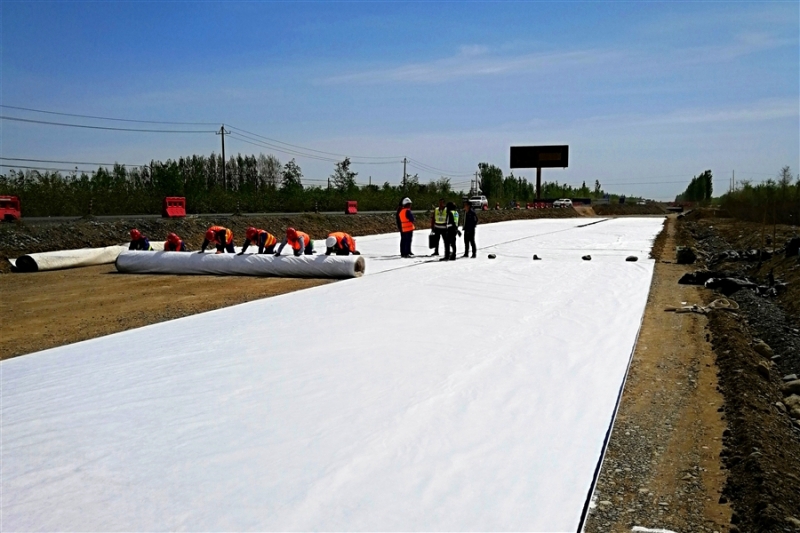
x,y
265,240
405,223
174,243
221,237
300,242
340,243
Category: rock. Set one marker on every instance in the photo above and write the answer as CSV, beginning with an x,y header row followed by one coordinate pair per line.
x,y
687,477
763,370
793,521
631,258
685,255
793,247
763,348
728,286
791,387
587,257
492,256
781,407
795,413
723,499
792,401
536,257
604,502
699,277
790,377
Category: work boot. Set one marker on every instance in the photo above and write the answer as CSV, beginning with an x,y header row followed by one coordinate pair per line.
x,y
473,255
434,254
453,256
466,254
445,258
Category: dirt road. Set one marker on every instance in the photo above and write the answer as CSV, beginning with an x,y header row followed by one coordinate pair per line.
x,y
662,467
48,309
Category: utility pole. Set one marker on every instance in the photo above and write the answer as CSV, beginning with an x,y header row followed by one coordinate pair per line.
x,y
404,174
222,133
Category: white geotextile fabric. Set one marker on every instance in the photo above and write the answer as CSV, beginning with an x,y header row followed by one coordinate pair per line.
x,y
73,258
304,266
468,395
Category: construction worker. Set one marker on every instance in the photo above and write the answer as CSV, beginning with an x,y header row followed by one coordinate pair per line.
x,y
221,237
340,243
405,223
438,224
265,240
174,243
450,233
300,242
470,223
139,241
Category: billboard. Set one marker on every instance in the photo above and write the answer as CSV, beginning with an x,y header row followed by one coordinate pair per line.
x,y
540,156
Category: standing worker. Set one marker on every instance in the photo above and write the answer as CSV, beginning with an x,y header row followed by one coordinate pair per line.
x,y
139,241
174,243
265,240
405,223
470,222
438,224
300,242
450,233
221,237
340,243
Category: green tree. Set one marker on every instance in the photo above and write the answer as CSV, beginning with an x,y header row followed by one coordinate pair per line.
x,y
291,177
491,180
343,178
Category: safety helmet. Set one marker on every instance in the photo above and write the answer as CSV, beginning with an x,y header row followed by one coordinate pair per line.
x,y
136,234
330,242
173,237
251,233
210,235
406,200
291,233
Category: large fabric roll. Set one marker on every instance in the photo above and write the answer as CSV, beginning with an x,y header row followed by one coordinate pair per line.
x,y
72,258
305,266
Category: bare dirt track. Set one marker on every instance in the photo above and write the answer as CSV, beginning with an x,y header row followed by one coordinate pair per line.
x,y
48,309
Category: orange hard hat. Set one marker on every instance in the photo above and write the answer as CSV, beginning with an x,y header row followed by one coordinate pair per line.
x,y
291,233
173,237
251,233
210,235
136,234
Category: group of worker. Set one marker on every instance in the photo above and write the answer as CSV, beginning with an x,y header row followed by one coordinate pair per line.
x,y
337,243
444,226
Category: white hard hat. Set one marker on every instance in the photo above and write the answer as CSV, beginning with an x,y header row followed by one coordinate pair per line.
x,y
330,242
406,200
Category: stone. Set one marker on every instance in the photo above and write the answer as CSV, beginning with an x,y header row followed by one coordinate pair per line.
x,y
792,401
793,521
790,377
795,413
763,370
604,502
791,387
536,257
587,257
492,256
763,348
685,255
631,258
781,407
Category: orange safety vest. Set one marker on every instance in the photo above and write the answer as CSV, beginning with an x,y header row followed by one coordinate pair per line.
x,y
269,241
295,243
405,223
342,236
228,234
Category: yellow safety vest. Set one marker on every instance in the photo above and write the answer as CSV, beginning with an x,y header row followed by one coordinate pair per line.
x,y
440,217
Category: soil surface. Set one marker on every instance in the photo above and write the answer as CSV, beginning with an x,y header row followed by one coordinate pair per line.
x,y
604,210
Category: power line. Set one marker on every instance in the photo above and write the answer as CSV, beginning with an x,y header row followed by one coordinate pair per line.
x,y
109,118
263,144
101,127
67,162
12,167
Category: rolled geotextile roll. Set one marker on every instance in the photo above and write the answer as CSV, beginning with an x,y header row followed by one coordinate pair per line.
x,y
72,258
304,266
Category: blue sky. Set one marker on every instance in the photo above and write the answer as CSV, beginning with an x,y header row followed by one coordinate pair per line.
x,y
645,94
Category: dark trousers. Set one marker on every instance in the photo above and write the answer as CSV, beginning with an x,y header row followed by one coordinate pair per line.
x,y
437,234
405,243
469,238
450,243
226,248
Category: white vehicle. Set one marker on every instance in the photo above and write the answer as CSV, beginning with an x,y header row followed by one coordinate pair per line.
x,y
563,202
478,202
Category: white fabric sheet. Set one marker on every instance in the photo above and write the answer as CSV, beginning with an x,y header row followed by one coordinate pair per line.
x,y
81,257
472,395
304,266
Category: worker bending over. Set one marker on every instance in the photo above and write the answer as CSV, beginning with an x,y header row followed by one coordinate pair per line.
x,y
222,239
439,224
300,242
340,243
174,243
139,241
450,233
405,223
265,240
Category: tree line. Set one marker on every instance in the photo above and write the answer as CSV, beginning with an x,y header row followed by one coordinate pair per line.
x,y
700,189
249,184
775,201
